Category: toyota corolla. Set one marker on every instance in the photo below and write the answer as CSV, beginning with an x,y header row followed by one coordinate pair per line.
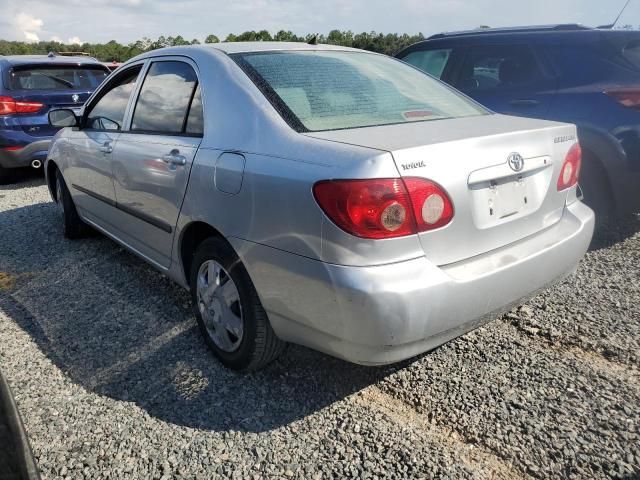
x,y
320,195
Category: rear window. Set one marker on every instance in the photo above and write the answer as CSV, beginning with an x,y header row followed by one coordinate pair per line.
x,y
56,77
323,90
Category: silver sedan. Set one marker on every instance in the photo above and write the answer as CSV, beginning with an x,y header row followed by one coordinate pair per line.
x,y
320,195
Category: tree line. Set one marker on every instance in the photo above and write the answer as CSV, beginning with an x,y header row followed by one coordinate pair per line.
x,y
389,43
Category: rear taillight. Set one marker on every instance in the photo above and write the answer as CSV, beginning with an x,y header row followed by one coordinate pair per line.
x,y
570,171
10,106
386,207
628,97
432,207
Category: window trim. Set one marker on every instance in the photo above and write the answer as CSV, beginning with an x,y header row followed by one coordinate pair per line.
x,y
186,117
102,91
134,104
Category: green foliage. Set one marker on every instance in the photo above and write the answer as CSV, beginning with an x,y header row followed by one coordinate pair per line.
x,y
113,51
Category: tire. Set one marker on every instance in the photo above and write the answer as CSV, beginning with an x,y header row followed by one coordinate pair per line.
x,y
72,226
6,175
257,345
594,183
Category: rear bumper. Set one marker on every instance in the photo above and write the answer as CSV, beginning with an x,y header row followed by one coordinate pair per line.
x,y
22,158
384,314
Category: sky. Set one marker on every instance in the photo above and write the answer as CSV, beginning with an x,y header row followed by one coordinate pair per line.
x,y
77,21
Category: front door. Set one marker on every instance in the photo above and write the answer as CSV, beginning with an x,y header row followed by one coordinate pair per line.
x,y
89,176
152,159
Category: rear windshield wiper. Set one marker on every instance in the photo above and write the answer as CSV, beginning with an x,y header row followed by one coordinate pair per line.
x,y
56,79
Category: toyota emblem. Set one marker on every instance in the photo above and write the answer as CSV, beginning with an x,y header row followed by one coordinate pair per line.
x,y
516,162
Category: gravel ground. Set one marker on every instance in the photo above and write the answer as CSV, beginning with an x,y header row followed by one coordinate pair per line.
x,y
114,380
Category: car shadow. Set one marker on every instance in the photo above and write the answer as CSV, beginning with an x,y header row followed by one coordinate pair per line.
x,y
612,231
21,177
118,328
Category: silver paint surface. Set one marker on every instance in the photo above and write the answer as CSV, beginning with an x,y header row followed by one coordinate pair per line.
x,y
251,176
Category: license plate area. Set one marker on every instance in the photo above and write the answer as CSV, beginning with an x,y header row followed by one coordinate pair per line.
x,y
499,195
506,199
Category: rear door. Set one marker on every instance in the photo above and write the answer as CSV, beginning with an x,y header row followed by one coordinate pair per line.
x,y
152,159
509,79
54,86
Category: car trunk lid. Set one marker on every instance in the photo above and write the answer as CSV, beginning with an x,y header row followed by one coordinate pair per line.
x,y
500,173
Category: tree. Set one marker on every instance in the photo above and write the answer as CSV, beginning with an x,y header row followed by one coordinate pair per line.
x,y
286,36
388,44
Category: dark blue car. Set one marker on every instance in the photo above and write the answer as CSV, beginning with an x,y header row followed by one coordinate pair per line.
x,y
30,86
570,73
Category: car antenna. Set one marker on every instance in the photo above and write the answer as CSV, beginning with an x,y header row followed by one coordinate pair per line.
x,y
313,40
610,26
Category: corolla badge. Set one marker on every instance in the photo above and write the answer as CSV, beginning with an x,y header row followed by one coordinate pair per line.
x,y
516,162
75,97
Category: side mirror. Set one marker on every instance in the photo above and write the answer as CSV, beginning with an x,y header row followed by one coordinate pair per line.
x,y
63,118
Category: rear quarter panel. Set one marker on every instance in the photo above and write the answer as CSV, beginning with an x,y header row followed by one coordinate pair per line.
x,y
275,206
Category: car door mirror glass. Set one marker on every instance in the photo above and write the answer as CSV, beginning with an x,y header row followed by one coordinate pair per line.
x,y
63,118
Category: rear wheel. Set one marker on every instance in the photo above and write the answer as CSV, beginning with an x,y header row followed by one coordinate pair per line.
x,y
228,310
594,183
72,226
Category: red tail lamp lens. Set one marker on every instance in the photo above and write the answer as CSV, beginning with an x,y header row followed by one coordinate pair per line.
x,y
386,207
570,171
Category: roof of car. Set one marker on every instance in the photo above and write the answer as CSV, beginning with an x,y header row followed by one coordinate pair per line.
x,y
563,27
237,47
51,58
242,47
564,33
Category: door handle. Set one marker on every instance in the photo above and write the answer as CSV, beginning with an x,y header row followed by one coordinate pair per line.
x,y
106,147
174,158
524,103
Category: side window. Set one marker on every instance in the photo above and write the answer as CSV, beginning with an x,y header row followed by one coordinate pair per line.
x,y
195,120
431,61
498,67
164,98
108,113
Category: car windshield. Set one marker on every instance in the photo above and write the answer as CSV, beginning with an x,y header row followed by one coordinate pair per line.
x,y
330,90
70,77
